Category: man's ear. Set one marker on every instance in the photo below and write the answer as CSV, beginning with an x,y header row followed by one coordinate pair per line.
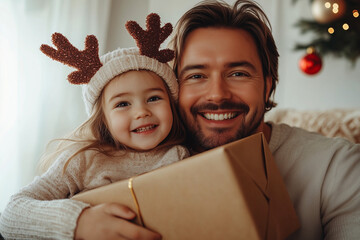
x,y
268,82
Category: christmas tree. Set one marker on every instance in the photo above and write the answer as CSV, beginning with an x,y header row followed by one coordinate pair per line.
x,y
336,25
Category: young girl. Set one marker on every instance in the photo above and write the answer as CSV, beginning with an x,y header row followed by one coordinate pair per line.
x,y
133,128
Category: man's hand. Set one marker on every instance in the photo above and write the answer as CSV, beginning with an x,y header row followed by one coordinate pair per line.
x,y
110,221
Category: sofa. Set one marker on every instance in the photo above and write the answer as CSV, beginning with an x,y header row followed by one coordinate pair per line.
x,y
343,123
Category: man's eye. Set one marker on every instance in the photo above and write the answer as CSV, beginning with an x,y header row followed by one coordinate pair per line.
x,y
239,74
154,98
122,104
195,76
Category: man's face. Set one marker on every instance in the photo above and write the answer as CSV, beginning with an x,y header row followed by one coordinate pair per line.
x,y
221,86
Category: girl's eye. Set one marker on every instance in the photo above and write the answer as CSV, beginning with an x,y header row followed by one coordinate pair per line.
x,y
122,104
154,98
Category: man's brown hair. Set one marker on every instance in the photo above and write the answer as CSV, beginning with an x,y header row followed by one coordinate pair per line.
x,y
244,14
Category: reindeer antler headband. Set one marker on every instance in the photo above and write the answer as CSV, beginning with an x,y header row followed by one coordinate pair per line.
x,y
94,72
149,41
87,61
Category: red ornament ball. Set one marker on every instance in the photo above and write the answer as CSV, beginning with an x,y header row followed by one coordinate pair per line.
x,y
311,63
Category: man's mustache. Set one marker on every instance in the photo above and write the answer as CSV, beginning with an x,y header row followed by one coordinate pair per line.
x,y
226,105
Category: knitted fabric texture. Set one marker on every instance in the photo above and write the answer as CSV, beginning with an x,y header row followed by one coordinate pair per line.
x,y
121,61
343,123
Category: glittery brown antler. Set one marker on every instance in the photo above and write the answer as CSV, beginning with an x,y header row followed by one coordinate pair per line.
x,y
87,61
149,41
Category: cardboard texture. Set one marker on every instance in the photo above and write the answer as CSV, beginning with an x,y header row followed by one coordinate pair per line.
x,y
231,192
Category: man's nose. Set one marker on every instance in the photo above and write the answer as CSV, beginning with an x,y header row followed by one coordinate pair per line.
x,y
141,111
218,90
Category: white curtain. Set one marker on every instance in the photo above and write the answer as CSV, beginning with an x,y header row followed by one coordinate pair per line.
x,y
37,103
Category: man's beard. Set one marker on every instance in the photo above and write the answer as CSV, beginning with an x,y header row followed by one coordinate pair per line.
x,y
198,140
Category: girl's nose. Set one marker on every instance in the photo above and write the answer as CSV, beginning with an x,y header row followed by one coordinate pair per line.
x,y
142,112
218,90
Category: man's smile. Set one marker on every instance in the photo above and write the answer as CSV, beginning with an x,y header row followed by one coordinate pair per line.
x,y
224,119
219,116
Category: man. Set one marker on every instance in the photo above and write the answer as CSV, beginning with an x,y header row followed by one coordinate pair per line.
x,y
227,65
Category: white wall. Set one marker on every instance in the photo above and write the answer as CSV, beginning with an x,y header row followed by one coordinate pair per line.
x,y
121,12
337,85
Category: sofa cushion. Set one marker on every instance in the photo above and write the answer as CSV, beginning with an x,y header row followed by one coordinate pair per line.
x,y
332,123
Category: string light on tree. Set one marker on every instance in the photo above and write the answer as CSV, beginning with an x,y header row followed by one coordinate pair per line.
x,y
335,26
325,11
355,13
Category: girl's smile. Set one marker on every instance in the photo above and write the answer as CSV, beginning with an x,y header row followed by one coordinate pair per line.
x,y
147,129
137,109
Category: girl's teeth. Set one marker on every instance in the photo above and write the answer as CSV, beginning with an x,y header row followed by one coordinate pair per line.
x,y
219,117
143,129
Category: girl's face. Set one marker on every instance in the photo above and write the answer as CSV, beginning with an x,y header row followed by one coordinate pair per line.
x,y
137,109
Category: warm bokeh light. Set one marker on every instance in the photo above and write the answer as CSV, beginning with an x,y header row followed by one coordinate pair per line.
x,y
310,50
345,26
355,13
335,10
331,30
327,5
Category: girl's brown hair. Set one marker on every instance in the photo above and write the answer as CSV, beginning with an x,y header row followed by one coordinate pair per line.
x,y
93,134
244,14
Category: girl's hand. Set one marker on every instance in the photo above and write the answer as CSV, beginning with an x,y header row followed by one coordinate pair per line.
x,y
110,221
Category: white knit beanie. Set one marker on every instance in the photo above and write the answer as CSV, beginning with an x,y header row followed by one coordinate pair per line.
x,y
120,61
95,73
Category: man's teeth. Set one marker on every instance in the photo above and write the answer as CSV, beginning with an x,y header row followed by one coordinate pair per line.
x,y
219,117
143,129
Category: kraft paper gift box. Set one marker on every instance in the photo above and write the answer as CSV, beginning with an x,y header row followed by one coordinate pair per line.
x,y
231,192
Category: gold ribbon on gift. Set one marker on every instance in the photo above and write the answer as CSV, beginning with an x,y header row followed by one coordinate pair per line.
x,y
130,185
